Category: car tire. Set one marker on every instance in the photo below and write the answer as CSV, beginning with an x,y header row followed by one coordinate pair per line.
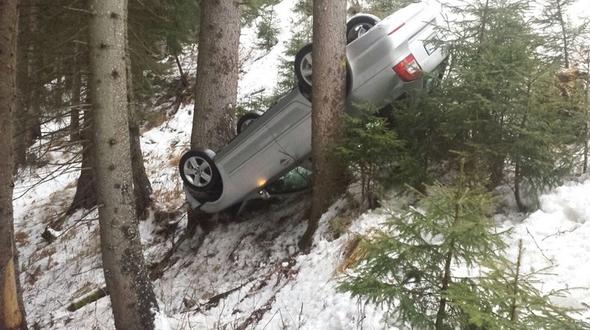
x,y
246,120
199,172
359,25
303,65
303,71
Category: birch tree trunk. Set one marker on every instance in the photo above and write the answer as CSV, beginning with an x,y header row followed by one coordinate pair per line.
x,y
328,104
12,313
132,297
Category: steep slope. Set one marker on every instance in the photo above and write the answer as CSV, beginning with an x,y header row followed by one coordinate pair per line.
x,y
247,273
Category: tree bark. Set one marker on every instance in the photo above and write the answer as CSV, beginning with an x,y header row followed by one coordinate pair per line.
x,y
85,197
446,280
12,312
217,74
446,276
132,297
22,82
216,87
515,284
142,188
586,110
328,105
76,99
564,39
33,125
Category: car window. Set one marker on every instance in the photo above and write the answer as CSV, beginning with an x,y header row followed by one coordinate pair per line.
x,y
297,179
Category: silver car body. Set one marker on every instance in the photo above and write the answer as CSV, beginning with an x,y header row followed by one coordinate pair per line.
x,y
280,139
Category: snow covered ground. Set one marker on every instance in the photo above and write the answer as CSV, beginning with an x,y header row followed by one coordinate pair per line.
x,y
247,274
255,258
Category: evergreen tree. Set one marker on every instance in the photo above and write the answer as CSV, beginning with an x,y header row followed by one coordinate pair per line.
x,y
12,312
267,30
509,299
497,101
563,37
133,300
411,266
561,34
373,152
384,8
441,265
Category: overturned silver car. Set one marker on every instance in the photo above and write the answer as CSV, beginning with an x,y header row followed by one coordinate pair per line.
x,y
386,58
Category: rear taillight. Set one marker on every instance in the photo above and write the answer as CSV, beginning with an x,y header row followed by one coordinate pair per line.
x,y
408,69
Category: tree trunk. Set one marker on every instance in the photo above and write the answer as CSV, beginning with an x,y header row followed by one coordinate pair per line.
x,y
76,97
517,184
12,313
446,276
564,39
587,136
217,74
515,284
496,169
132,297
446,280
22,82
142,188
217,78
36,63
483,24
586,112
328,105
85,197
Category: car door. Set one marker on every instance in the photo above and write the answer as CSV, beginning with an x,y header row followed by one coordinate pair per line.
x,y
292,132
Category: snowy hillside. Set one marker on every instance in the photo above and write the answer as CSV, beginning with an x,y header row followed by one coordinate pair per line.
x,y
248,274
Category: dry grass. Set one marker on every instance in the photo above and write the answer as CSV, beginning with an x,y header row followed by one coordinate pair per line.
x,y
22,238
154,119
339,225
42,254
174,159
34,276
169,200
354,252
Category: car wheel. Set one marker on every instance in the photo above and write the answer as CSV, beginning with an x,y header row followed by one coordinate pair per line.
x,y
198,171
303,71
303,64
358,26
246,120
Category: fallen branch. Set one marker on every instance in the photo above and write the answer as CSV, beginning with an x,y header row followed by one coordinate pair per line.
x,y
214,301
157,269
88,299
258,314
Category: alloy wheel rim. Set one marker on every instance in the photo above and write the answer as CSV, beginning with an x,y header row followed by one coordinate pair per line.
x,y
306,68
198,171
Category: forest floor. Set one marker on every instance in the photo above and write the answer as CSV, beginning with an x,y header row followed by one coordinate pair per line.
x,y
247,273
